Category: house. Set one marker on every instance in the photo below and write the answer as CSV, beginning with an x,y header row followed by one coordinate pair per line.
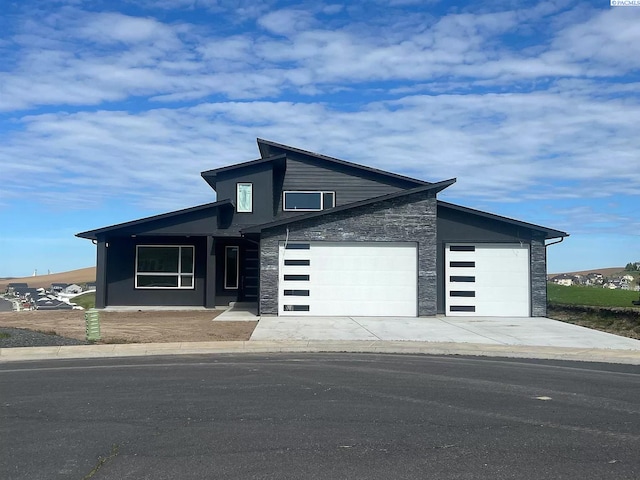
x,y
58,287
13,287
299,233
72,289
565,280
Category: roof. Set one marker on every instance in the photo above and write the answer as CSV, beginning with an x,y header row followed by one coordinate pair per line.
x,y
211,176
93,234
549,232
436,187
266,147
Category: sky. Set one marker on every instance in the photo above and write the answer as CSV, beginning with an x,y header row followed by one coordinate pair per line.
x,y
109,110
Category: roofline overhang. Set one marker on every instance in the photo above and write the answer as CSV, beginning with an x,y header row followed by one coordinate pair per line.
x,y
432,187
549,232
93,234
265,151
210,176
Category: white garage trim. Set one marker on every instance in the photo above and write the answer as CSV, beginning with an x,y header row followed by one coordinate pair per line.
x,y
348,279
487,280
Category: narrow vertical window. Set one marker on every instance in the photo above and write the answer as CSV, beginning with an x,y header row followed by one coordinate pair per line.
x,y
231,267
244,198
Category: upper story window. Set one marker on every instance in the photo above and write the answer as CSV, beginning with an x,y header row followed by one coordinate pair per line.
x,y
244,197
308,201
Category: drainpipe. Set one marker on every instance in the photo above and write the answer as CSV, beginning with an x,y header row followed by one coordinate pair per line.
x,y
553,243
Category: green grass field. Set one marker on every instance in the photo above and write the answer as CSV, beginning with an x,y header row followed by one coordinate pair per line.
x,y
594,296
86,300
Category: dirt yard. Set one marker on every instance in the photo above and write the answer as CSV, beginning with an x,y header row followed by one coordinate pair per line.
x,y
133,327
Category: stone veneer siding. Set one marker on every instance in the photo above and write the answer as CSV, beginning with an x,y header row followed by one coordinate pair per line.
x,y
411,218
538,271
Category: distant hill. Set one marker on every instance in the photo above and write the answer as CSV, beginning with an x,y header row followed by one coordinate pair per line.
x,y
82,275
607,272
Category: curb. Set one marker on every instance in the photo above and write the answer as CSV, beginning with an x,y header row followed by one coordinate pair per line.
x,y
20,354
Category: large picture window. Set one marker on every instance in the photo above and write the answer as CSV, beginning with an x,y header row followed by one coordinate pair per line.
x,y
164,266
308,201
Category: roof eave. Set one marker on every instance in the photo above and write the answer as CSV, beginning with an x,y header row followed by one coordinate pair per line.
x,y
93,234
549,232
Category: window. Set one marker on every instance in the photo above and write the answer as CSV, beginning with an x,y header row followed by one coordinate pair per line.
x,y
231,267
244,197
164,266
308,201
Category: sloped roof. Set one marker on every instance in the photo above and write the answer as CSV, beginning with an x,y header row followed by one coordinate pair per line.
x,y
267,148
93,234
549,232
211,176
437,187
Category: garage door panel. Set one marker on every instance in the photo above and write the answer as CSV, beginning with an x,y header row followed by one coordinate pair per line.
x,y
500,280
355,278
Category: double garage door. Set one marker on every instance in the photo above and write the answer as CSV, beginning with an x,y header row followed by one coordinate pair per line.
x,y
380,279
487,280
348,278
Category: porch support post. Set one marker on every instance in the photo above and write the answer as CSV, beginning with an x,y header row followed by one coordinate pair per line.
x,y
210,279
101,274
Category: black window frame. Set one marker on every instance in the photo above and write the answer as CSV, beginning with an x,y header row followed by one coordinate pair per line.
x,y
180,275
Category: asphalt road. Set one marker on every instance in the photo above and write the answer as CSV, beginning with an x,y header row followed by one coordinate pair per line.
x,y
331,416
5,305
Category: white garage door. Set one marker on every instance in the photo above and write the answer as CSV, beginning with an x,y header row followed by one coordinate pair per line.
x,y
348,278
487,280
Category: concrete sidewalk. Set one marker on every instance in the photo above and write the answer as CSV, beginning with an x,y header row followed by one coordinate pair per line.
x,y
316,346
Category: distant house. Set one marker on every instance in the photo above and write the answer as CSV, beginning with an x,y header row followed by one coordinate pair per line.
x,y
71,289
26,292
565,280
46,303
12,287
58,287
90,286
594,278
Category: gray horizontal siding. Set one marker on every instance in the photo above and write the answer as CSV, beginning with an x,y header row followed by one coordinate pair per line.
x,y
349,184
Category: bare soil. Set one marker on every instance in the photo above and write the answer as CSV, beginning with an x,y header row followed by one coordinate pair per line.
x,y
134,327
83,275
607,272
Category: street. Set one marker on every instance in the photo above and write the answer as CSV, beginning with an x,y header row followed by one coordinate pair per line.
x,y
318,416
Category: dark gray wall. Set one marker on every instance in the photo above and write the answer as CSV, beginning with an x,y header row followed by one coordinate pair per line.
x,y
406,219
350,184
261,176
199,222
465,227
120,288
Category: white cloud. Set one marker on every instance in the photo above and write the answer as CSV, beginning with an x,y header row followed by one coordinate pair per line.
x,y
518,103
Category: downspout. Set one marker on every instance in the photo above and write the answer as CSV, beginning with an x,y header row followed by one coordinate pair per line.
x,y
546,282
553,243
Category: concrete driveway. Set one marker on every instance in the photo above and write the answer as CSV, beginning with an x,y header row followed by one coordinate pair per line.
x,y
542,332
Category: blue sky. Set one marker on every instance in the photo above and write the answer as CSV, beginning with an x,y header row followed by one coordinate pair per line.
x,y
110,110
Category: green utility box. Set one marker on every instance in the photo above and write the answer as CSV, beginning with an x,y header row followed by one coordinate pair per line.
x,y
92,321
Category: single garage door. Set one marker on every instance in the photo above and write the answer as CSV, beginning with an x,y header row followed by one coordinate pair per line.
x,y
348,279
487,280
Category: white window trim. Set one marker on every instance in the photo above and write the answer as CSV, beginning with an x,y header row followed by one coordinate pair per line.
x,y
238,186
321,192
179,273
226,266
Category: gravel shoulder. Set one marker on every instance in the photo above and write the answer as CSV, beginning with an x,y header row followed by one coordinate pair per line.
x,y
45,328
